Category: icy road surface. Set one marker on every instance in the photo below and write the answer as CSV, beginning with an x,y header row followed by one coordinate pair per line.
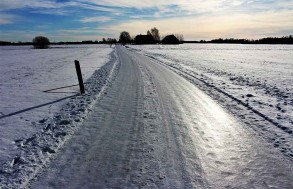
x,y
154,129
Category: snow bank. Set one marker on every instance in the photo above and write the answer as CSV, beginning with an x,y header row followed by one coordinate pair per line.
x,y
26,73
253,81
30,137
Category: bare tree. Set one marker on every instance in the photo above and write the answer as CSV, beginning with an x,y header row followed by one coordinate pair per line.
x,y
179,37
155,33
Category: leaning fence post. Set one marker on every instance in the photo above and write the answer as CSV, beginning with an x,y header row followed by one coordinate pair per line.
x,y
79,76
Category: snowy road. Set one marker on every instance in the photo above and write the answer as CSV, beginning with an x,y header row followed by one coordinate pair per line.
x,y
154,129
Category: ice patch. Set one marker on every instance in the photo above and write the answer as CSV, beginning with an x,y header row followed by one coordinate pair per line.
x,y
260,95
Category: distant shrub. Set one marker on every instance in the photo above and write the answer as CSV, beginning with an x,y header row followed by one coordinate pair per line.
x,y
41,42
124,37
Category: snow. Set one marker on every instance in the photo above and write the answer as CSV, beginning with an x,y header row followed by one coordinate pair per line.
x,y
155,129
253,81
35,124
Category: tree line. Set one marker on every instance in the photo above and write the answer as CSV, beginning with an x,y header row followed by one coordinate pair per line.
x,y
268,40
43,42
152,37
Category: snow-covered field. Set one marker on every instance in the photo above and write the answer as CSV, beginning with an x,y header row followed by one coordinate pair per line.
x,y
253,81
29,117
155,129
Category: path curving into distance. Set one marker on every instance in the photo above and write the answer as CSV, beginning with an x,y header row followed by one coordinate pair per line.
x,y
154,129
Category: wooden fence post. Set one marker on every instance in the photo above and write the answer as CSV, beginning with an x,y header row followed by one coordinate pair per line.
x,y
79,76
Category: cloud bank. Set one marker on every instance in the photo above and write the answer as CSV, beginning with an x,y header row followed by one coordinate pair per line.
x,y
197,19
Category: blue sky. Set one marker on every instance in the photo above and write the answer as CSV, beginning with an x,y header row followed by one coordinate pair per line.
x,y
77,20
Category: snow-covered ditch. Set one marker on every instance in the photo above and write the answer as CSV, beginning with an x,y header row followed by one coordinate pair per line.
x,y
35,124
253,81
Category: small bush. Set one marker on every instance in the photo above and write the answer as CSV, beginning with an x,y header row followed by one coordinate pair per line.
x,y
41,42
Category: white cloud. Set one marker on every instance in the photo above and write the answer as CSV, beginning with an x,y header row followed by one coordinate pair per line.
x,y
207,18
36,6
5,21
51,11
83,30
208,27
187,6
47,4
85,5
7,18
96,19
17,4
198,5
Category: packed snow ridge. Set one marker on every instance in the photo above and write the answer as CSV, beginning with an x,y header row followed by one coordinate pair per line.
x,y
36,151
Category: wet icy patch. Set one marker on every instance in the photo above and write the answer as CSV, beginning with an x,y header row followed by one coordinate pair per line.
x,y
253,82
